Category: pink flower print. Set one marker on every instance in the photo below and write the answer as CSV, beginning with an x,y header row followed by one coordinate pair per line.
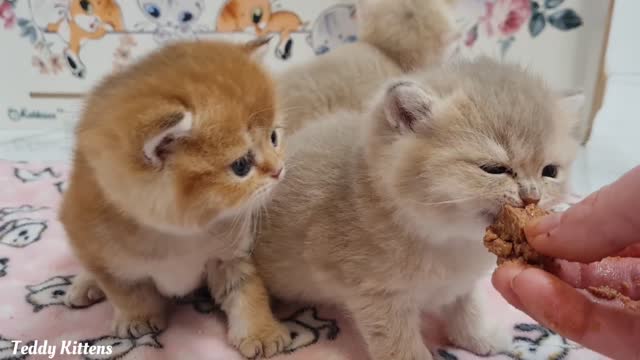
x,y
507,16
127,41
40,65
471,36
122,53
56,63
7,14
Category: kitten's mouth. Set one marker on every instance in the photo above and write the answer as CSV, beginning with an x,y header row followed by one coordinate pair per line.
x,y
261,195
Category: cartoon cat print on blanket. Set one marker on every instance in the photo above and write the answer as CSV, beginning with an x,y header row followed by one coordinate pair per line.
x,y
61,186
50,292
18,228
307,328
4,264
120,346
10,211
538,342
6,350
21,232
532,342
26,175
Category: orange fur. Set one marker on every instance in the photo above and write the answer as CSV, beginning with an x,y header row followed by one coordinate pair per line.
x,y
147,225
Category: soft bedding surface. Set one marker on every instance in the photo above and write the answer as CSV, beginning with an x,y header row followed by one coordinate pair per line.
x,y
36,268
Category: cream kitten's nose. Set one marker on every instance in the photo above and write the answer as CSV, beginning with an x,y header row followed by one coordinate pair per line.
x,y
529,192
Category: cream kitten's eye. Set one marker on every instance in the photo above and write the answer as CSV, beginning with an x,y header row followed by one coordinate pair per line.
x,y
495,169
274,138
550,171
242,166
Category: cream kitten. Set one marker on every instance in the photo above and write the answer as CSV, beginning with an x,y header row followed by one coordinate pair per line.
x,y
395,36
384,213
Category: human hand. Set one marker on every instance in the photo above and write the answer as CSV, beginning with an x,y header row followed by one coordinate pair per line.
x,y
607,223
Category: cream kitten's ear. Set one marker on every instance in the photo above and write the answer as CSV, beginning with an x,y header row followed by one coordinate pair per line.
x,y
407,107
161,145
572,102
258,48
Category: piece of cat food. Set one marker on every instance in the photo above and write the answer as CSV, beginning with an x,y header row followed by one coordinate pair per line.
x,y
607,293
506,238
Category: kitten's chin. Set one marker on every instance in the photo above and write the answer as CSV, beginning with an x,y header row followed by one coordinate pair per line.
x,y
488,215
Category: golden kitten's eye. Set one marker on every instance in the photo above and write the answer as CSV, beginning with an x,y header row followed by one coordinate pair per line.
x,y
242,166
550,171
274,138
494,169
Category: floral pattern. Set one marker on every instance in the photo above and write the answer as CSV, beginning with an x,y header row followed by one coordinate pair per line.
x,y
7,13
506,16
504,20
55,30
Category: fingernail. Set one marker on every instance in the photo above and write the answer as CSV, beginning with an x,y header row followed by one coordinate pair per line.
x,y
543,225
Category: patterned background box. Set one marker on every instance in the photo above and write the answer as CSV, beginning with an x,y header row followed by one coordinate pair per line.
x,y
53,51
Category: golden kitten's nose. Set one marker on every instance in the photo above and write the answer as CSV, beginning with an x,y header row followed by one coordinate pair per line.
x,y
276,173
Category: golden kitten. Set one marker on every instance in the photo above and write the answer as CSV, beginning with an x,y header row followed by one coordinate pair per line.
x,y
395,36
384,213
173,156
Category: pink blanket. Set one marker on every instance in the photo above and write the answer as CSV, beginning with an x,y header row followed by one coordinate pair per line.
x,y
36,268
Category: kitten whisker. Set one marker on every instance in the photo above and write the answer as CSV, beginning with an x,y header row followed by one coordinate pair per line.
x,y
453,201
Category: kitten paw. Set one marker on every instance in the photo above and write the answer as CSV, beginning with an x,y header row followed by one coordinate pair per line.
x,y
265,341
489,342
83,292
126,327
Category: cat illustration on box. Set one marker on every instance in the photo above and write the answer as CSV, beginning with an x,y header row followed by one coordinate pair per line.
x,y
335,26
172,20
258,16
76,22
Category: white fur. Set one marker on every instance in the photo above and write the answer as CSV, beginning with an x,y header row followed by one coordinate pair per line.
x,y
181,271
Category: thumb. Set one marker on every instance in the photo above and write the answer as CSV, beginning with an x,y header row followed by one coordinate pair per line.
x,y
603,224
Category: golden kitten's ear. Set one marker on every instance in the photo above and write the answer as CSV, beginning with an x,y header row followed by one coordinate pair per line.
x,y
160,145
258,48
407,107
